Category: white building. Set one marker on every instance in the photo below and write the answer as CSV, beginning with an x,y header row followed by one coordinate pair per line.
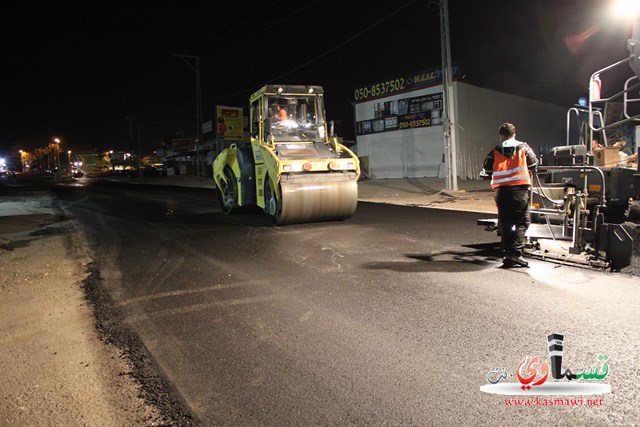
x,y
399,131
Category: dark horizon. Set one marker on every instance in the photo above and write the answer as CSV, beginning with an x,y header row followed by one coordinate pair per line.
x,y
87,80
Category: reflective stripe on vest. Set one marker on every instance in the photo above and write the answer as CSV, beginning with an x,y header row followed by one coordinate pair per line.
x,y
510,170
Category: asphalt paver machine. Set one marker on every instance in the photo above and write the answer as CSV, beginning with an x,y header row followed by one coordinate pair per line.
x,y
583,197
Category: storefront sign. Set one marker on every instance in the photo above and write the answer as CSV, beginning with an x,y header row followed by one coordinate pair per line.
x,y
407,113
407,83
229,123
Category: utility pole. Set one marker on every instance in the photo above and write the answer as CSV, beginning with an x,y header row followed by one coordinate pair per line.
x,y
131,140
449,122
196,68
139,150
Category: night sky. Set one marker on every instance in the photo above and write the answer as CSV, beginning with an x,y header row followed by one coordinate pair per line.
x,y
85,74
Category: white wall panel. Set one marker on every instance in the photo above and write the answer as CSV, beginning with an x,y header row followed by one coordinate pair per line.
x,y
482,111
418,152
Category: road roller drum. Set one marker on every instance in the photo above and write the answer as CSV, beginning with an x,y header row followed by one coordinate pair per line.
x,y
317,198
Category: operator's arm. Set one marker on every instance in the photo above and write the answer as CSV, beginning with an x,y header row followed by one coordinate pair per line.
x,y
487,166
532,160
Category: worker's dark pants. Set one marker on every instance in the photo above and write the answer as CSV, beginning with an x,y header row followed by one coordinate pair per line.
x,y
513,215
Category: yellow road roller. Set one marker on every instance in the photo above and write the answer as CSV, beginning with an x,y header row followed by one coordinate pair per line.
x,y
293,168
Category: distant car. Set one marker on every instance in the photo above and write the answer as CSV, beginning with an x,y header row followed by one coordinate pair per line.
x,y
78,174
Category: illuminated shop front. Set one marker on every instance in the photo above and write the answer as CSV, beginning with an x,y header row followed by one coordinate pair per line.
x,y
399,132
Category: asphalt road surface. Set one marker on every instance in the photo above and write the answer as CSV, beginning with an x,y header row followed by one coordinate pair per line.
x,y
393,317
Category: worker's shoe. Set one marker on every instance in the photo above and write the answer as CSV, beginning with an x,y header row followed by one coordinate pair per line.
x,y
514,260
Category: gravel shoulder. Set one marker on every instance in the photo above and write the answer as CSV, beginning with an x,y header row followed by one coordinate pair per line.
x,y
56,369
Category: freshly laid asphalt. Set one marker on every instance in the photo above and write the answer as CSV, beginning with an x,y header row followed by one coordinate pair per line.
x,y
20,214
471,196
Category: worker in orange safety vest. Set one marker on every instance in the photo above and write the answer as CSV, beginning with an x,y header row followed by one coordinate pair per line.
x,y
508,166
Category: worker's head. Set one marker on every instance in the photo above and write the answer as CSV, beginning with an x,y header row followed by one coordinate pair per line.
x,y
276,107
506,131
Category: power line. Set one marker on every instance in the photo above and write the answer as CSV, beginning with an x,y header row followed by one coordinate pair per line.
x,y
268,27
307,63
248,20
322,55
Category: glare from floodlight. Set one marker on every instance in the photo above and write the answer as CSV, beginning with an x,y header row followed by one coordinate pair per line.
x,y
627,8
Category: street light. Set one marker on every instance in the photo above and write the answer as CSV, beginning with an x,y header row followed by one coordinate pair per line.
x,y
69,165
57,141
627,8
22,155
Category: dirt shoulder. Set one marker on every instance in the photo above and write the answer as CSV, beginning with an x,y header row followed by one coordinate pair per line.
x,y
472,196
55,368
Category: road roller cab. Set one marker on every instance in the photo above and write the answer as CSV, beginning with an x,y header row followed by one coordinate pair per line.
x,y
293,167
